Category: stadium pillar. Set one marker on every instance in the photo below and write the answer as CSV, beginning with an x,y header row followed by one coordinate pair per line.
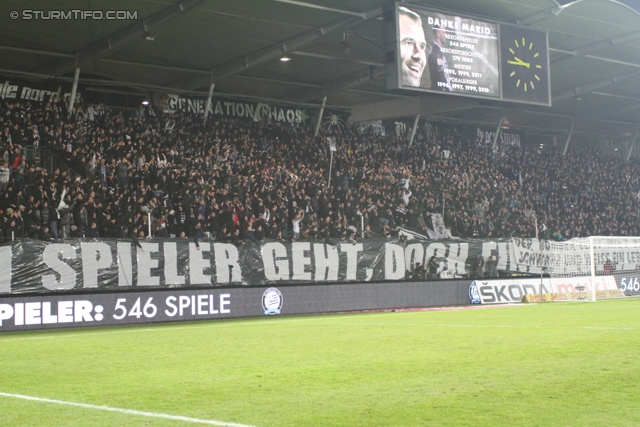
x,y
566,144
330,166
632,143
324,101
74,89
208,104
497,135
413,131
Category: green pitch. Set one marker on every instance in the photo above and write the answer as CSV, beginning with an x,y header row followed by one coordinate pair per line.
x,y
539,365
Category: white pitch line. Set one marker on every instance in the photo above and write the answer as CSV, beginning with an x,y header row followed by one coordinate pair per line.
x,y
126,411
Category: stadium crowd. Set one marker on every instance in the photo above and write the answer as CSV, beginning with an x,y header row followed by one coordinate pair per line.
x,y
234,180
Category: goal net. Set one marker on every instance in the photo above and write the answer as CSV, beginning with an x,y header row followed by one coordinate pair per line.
x,y
609,266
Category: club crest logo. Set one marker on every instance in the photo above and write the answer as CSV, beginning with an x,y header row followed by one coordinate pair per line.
x,y
474,295
272,301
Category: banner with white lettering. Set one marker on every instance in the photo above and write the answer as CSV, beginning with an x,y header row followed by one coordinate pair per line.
x,y
374,126
572,257
256,111
76,264
48,91
507,136
36,266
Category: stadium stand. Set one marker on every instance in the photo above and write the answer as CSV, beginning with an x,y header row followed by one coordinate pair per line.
x,y
235,180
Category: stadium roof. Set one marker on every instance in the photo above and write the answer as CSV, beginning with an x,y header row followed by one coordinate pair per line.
x,y
336,49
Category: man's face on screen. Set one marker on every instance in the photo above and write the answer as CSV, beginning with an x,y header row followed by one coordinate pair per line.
x,y
412,50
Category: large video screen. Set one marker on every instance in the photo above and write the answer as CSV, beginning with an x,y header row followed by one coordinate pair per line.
x,y
447,53
433,51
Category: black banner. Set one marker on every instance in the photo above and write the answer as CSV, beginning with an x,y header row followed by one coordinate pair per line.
x,y
229,107
49,91
86,264
512,137
174,305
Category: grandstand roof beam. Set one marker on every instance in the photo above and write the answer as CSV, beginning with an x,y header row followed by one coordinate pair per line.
x,y
318,7
528,118
91,81
543,113
156,66
376,93
139,86
616,122
413,106
277,81
338,58
337,85
124,37
540,16
208,72
588,114
586,50
112,61
348,82
317,86
38,52
590,87
268,53
626,109
598,58
614,95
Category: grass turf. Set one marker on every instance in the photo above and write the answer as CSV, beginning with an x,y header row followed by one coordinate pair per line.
x,y
539,365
